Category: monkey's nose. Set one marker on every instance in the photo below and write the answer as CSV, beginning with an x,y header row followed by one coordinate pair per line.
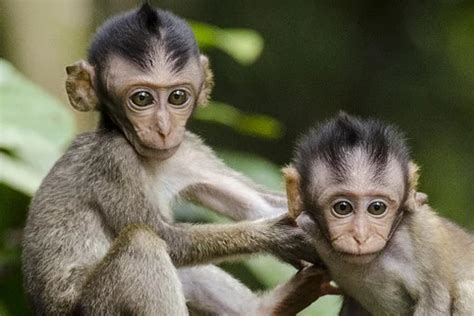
x,y
163,133
360,239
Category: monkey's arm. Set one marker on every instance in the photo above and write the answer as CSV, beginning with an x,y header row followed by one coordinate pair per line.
x,y
305,287
236,198
210,289
122,200
198,244
213,184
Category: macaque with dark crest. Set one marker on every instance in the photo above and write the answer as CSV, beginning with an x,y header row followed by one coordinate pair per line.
x,y
100,237
355,185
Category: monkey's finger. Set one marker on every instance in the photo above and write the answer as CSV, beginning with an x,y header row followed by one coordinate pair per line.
x,y
304,264
298,264
328,289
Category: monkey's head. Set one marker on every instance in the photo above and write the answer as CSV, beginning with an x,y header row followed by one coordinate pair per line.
x,y
354,180
145,75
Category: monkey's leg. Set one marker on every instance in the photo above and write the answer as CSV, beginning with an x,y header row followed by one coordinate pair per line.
x,y
210,290
136,277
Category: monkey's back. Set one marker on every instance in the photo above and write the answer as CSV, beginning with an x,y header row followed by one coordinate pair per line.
x,y
64,234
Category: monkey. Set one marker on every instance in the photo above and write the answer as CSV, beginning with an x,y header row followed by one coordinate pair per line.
x,y
352,186
100,237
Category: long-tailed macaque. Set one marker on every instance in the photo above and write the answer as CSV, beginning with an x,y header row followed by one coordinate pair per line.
x,y
100,237
355,185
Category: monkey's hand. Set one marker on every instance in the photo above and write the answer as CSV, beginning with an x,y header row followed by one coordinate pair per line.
x,y
291,244
302,289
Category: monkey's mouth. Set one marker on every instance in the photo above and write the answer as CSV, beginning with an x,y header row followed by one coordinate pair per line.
x,y
358,258
353,254
158,149
161,153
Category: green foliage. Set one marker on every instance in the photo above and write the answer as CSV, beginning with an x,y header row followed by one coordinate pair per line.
x,y
257,125
244,45
35,127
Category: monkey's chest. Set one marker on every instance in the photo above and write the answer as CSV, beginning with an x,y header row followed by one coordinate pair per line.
x,y
164,184
381,291
382,298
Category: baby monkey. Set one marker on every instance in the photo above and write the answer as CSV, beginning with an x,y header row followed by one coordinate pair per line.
x,y
100,238
353,185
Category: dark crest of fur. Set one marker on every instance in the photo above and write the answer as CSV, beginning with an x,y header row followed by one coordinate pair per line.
x,y
134,35
332,141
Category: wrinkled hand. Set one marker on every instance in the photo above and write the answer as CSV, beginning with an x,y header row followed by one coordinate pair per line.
x,y
293,245
304,288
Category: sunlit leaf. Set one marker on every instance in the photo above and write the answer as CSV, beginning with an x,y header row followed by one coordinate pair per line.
x,y
19,175
26,106
244,45
245,123
34,128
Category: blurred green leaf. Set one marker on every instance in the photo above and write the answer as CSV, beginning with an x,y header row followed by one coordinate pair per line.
x,y
34,127
19,175
257,168
245,123
460,46
244,45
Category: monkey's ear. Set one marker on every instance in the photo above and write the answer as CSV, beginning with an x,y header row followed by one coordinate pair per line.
x,y
292,180
206,90
413,176
80,87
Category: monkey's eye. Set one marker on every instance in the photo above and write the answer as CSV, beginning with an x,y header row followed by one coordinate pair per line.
x,y
178,97
142,98
377,208
342,208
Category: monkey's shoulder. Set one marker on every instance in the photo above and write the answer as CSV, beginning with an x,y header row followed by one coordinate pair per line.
x,y
93,157
439,234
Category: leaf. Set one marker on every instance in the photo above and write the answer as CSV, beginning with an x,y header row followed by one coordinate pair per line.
x,y
25,106
257,168
19,175
245,123
34,127
244,45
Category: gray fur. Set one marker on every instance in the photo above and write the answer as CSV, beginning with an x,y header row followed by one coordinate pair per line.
x,y
101,220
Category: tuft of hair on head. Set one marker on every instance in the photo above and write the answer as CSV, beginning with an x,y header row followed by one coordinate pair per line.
x,y
332,141
149,16
136,35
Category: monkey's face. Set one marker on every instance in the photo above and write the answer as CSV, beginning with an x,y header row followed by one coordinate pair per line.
x,y
153,106
359,210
